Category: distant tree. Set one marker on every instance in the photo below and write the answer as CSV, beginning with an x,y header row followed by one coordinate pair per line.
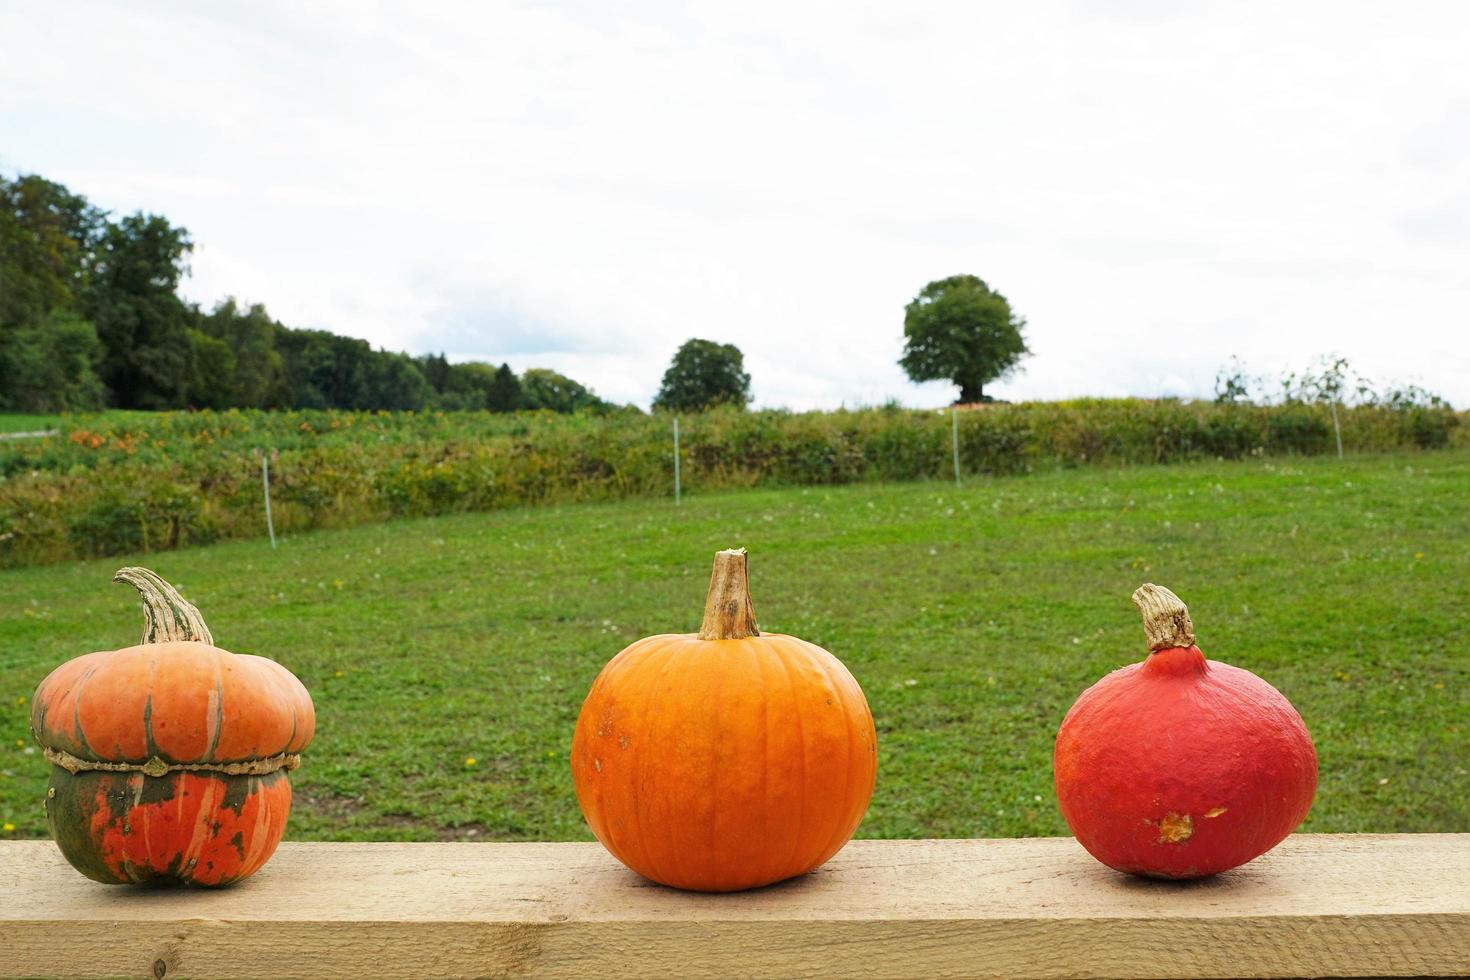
x,y
395,382
1232,384
462,387
27,288
47,239
324,370
48,352
504,394
436,370
131,298
211,371
259,373
50,366
704,374
958,329
542,388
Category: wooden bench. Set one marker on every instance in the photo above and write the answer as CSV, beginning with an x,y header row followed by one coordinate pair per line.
x,y
1319,905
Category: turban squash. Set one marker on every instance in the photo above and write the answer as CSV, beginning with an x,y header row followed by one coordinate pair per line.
x,y
1181,767
170,758
726,759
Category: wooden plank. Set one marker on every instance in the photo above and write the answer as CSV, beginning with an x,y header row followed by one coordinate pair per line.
x,y
1351,905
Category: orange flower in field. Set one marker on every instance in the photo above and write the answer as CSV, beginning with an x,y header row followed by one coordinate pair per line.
x,y
81,437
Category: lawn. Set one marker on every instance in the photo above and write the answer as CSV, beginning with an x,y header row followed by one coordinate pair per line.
x,y
26,422
12,422
448,656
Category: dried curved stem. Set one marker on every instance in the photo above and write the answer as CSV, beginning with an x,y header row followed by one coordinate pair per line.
x,y
728,612
1166,621
167,616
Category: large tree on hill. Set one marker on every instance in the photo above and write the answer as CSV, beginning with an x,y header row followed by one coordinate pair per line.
x,y
959,329
131,297
702,375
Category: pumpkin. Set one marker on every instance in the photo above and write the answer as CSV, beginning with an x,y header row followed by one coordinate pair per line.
x,y
1181,767
726,759
170,759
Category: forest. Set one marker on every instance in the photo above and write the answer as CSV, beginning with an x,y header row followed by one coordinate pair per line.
x,y
91,318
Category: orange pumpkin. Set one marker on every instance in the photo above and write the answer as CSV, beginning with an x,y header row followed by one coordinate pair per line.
x,y
728,759
170,759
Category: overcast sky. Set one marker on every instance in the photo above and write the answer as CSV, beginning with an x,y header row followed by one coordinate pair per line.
x,y
1156,186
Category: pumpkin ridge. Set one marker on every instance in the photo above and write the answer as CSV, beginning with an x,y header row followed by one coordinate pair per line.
x,y
292,738
190,853
76,711
147,815
150,747
760,666
637,807
219,714
722,680
801,741
845,814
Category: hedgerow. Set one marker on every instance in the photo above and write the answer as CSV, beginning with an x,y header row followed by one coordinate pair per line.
x,y
113,484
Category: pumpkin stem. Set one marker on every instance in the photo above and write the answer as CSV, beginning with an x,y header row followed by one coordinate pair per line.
x,y
167,616
1166,621
728,613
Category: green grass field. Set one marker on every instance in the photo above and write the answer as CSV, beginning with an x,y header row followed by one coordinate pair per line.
x,y
448,656
11,422
24,422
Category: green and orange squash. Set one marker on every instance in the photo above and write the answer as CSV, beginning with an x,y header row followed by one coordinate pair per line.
x,y
726,759
170,759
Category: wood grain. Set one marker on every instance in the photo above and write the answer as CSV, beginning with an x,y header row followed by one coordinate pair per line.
x,y
1349,905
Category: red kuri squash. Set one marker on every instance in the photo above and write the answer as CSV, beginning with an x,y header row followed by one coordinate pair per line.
x,y
170,759
728,759
1181,767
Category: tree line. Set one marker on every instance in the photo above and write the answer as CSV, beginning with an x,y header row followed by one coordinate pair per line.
x,y
90,317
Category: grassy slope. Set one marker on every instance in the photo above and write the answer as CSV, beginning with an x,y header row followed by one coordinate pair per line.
x,y
11,422
971,618
24,422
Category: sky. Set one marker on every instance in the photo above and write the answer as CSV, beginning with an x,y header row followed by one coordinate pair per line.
x,y
1155,186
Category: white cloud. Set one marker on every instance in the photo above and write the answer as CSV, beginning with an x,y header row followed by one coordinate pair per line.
x,y
1156,187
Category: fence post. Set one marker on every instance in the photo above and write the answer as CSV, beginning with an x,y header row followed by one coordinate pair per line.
x,y
265,482
1336,428
954,438
676,461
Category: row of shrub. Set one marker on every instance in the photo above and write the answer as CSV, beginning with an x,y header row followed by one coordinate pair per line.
x,y
136,483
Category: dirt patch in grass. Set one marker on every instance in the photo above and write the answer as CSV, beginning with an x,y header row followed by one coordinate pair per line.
x,y
330,806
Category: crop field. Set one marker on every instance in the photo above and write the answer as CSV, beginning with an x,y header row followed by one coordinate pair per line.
x,y
130,482
448,656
